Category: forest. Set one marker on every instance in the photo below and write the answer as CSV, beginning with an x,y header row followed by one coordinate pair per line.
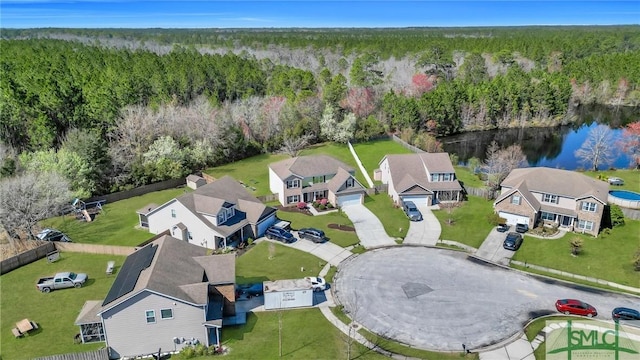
x,y
110,109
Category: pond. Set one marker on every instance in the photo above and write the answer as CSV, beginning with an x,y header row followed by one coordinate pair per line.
x,y
550,146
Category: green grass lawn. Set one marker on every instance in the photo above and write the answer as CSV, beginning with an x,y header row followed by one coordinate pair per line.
x,y
631,178
116,225
339,237
467,177
469,221
55,312
370,153
609,256
338,151
393,219
253,171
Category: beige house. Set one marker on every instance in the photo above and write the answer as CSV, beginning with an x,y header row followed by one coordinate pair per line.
x,y
311,178
424,178
568,199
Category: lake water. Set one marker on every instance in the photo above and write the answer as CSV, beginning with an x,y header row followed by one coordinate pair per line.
x,y
550,147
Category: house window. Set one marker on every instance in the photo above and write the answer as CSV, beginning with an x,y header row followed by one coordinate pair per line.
x,y
293,199
435,177
350,182
589,206
166,314
173,213
548,216
447,177
515,199
550,198
293,184
151,316
221,218
585,225
318,179
189,235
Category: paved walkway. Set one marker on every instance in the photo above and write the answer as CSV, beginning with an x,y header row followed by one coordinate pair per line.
x,y
425,232
368,227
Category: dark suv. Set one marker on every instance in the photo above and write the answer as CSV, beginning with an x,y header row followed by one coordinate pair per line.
x,y
513,241
315,235
275,233
522,228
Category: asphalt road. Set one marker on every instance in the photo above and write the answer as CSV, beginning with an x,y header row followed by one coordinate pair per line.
x,y
439,299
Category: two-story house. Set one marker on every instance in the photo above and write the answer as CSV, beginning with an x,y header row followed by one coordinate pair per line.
x,y
311,178
215,215
568,199
424,178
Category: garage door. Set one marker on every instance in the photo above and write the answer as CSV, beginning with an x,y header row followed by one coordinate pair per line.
x,y
418,200
347,200
513,219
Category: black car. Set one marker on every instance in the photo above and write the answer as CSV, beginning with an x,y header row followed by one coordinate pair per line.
x,y
52,235
522,228
276,233
315,235
622,313
513,241
503,228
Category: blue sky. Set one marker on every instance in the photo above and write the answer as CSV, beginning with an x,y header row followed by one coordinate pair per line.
x,y
308,13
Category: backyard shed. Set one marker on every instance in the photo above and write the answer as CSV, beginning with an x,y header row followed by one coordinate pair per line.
x,y
195,181
284,294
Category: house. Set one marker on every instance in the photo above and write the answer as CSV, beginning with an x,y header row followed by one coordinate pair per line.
x,y
167,294
567,199
311,178
218,214
424,178
195,181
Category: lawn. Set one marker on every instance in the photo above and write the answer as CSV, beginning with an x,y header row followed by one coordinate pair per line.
x,y
467,177
253,171
339,237
469,221
370,153
631,178
338,151
609,256
116,225
393,219
55,312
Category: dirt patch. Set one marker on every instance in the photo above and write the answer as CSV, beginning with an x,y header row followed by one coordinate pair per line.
x,y
294,209
341,227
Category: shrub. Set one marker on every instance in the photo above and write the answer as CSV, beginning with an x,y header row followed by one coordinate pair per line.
x,y
495,219
617,216
250,241
323,202
636,260
321,207
316,204
576,245
330,205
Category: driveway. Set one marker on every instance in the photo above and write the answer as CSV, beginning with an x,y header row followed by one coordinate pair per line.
x,y
425,232
368,228
492,250
327,251
439,299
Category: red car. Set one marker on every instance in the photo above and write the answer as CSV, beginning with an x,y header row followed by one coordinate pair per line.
x,y
575,307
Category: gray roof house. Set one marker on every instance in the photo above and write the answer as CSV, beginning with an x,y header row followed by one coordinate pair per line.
x,y
310,178
424,178
563,198
218,214
166,295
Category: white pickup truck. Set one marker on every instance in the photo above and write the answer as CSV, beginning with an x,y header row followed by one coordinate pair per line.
x,y
60,281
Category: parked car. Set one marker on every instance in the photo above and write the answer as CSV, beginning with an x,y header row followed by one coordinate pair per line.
x,y
52,235
61,280
318,283
247,291
503,227
522,228
622,313
616,181
512,241
276,233
411,210
575,307
315,235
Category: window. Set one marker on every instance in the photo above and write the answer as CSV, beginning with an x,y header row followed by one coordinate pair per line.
x,y
515,199
173,213
151,316
589,206
166,314
221,218
548,216
585,225
448,177
293,199
293,184
435,177
350,182
550,198
189,235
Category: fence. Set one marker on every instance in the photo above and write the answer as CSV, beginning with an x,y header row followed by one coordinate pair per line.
x,y
268,198
102,354
96,248
406,145
26,257
481,192
378,188
144,189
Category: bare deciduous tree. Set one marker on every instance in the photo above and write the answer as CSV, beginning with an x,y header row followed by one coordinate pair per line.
x,y
500,162
598,149
292,146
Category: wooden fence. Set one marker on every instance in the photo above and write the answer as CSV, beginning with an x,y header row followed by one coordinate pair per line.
x,y
102,354
482,192
268,198
96,248
145,189
26,257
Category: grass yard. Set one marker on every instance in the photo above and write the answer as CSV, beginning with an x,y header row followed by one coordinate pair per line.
x,y
338,237
631,178
467,177
271,261
470,225
338,151
55,312
370,153
609,256
393,219
116,225
253,171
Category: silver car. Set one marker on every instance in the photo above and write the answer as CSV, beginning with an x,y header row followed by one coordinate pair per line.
x,y
412,211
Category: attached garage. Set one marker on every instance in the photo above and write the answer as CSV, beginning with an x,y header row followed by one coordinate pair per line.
x,y
265,223
346,200
417,199
513,219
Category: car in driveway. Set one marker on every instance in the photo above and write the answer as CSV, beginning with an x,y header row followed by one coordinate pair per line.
x,y
575,307
52,235
503,227
318,283
512,241
411,210
522,228
247,291
313,234
616,181
623,313
282,235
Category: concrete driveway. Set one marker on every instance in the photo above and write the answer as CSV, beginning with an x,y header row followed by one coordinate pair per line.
x,y
425,232
440,299
368,227
327,251
492,250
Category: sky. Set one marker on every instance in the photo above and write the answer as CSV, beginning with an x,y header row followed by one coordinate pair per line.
x,y
311,14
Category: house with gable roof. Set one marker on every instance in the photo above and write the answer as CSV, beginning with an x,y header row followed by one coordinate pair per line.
x,y
424,178
314,177
215,215
166,295
567,199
